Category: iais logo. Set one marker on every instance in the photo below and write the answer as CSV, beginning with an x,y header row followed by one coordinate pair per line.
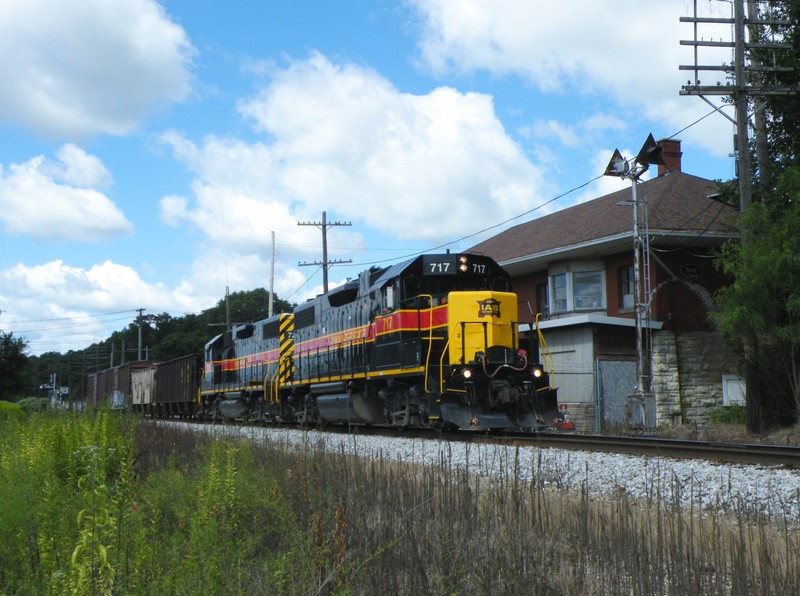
x,y
488,308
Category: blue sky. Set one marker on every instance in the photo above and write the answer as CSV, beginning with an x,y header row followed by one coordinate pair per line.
x,y
148,149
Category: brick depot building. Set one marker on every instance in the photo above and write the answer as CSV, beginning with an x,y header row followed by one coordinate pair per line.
x,y
576,268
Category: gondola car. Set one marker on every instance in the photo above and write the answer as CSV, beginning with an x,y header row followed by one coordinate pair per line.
x,y
430,342
167,389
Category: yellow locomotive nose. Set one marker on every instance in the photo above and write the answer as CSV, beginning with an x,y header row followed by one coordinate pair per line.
x,y
480,320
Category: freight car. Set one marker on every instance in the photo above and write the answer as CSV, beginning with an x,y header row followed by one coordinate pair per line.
x,y
162,389
113,385
167,389
430,342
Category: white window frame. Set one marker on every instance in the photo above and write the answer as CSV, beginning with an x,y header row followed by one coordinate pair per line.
x,y
569,272
602,287
551,298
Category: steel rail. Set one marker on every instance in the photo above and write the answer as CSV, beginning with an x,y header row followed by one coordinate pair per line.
x,y
739,453
736,453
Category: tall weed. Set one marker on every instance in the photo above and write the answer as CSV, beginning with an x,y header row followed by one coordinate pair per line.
x,y
98,503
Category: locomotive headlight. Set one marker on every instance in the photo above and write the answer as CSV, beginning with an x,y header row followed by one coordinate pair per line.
x,y
467,373
463,263
537,372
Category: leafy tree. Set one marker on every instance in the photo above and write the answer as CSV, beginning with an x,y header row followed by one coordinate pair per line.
x,y
13,360
245,307
758,312
763,302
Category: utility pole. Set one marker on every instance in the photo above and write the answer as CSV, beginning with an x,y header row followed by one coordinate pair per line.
x,y
748,78
271,276
740,91
227,309
324,225
139,319
742,144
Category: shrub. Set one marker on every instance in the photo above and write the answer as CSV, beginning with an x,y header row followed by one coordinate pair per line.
x,y
733,414
9,410
34,404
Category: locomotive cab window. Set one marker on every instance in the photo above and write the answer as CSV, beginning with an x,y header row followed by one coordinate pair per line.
x,y
411,291
388,298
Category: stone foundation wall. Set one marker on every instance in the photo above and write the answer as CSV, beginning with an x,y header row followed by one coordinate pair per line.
x,y
687,375
666,385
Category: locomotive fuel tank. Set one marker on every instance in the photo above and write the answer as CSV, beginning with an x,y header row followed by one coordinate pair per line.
x,y
233,409
352,407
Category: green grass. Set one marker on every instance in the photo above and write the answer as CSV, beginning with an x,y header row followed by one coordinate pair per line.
x,y
100,503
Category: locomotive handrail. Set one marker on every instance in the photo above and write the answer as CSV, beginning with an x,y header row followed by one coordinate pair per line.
x,y
463,344
463,347
546,355
272,383
441,360
430,335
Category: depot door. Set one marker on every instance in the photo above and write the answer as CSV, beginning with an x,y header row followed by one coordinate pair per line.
x,y
616,380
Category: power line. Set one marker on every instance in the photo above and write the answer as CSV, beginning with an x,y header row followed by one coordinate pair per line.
x,y
74,318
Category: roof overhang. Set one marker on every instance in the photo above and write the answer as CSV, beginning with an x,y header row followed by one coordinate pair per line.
x,y
592,319
609,245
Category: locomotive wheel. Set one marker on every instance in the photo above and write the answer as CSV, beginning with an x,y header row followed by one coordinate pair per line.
x,y
422,414
302,416
401,417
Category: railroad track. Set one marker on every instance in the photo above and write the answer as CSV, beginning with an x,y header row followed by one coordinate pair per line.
x,y
739,453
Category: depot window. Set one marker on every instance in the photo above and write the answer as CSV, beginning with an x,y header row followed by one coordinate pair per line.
x,y
542,304
577,290
626,287
559,291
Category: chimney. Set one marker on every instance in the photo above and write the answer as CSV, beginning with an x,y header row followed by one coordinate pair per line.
x,y
671,152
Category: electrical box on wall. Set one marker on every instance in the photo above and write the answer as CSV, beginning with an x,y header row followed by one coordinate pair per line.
x,y
732,390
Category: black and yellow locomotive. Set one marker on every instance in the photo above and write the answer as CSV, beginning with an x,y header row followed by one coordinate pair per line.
x,y
430,342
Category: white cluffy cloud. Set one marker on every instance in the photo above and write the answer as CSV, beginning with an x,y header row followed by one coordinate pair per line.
x,y
55,305
621,51
102,287
78,68
59,199
340,137
556,49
